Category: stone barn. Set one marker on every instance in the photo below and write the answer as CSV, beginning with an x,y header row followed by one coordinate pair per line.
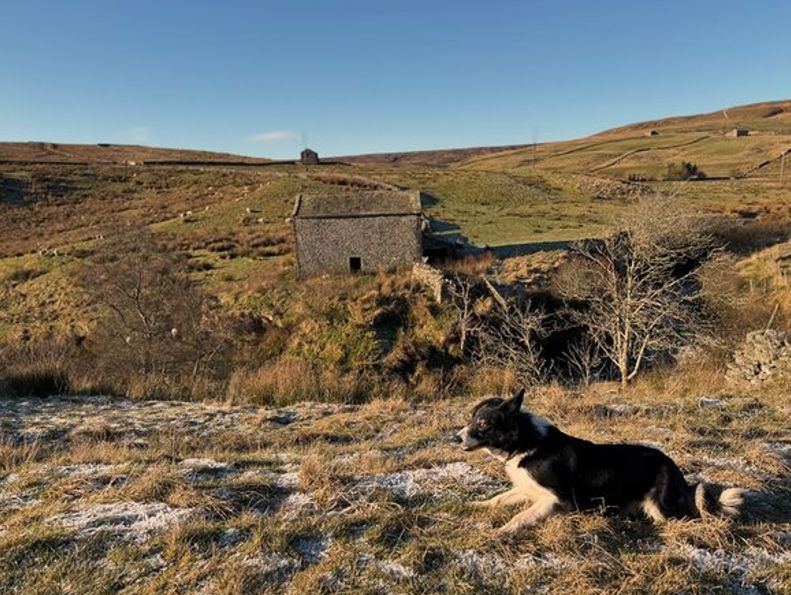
x,y
357,231
309,157
739,132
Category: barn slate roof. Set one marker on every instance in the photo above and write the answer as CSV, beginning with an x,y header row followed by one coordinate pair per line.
x,y
366,203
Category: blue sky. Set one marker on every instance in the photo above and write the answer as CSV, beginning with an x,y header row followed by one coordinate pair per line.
x,y
365,76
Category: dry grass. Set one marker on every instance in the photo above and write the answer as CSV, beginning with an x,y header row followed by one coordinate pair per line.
x,y
351,498
291,380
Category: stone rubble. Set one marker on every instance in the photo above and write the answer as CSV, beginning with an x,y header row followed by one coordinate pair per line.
x,y
763,355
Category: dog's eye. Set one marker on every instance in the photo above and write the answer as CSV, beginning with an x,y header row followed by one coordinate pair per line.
x,y
482,424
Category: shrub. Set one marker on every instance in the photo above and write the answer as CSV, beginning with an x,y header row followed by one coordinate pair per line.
x,y
638,288
683,170
745,236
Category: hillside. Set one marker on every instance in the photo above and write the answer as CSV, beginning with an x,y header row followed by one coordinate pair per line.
x,y
107,153
230,222
632,150
767,116
611,152
433,157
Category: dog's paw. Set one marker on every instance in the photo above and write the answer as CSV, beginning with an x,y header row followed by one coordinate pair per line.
x,y
507,531
481,504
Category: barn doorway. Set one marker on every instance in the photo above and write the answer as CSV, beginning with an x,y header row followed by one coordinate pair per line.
x,y
355,264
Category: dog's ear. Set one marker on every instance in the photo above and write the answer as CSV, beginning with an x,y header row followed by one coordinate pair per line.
x,y
514,404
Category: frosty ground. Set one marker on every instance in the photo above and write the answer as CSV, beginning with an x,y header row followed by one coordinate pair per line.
x,y
107,495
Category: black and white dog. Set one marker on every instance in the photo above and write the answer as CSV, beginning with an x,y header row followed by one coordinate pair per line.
x,y
553,471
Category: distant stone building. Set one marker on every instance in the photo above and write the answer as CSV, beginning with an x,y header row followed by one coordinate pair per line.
x,y
739,132
357,231
309,157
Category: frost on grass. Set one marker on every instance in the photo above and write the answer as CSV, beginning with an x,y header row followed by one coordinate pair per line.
x,y
736,566
481,564
709,403
390,568
90,470
60,419
435,481
200,469
313,549
734,463
296,504
288,480
487,566
10,502
134,521
267,530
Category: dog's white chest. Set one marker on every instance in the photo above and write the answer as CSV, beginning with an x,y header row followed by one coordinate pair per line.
x,y
523,481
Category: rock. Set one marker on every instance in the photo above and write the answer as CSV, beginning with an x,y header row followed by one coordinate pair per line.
x,y
763,355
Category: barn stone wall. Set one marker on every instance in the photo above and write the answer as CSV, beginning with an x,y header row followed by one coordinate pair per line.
x,y
381,242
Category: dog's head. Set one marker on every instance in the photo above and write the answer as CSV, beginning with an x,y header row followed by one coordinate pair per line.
x,y
495,424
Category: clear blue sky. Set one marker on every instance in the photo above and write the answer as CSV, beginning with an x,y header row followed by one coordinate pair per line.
x,y
364,76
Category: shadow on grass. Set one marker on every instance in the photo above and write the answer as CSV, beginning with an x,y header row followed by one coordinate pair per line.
x,y
767,507
254,497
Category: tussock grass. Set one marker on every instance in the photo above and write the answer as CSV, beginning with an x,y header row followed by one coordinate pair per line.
x,y
312,496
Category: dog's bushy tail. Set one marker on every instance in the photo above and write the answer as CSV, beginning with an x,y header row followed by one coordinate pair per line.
x,y
710,500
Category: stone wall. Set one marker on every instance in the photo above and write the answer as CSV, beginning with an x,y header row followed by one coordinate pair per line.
x,y
763,355
431,278
380,242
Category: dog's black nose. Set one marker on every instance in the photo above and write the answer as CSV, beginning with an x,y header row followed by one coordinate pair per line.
x,y
456,438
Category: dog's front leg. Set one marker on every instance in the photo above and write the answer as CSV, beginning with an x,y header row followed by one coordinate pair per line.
x,y
512,496
536,513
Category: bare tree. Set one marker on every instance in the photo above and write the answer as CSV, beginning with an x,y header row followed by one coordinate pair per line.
x,y
638,289
584,359
152,320
509,337
462,294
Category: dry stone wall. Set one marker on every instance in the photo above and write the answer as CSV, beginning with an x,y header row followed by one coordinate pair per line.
x,y
763,355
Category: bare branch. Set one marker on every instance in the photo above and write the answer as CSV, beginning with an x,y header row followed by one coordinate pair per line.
x,y
639,290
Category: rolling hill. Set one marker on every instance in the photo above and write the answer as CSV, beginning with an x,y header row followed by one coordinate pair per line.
x,y
641,149
107,153
632,149
495,195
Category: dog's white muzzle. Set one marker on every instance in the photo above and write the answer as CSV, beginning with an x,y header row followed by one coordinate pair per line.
x,y
467,441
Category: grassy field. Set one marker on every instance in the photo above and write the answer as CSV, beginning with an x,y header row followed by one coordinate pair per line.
x,y
231,223
632,150
108,496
